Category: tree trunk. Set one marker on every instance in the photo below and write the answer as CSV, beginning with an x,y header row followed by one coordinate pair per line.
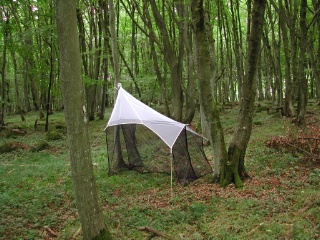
x,y
3,71
174,61
303,83
233,169
190,91
105,62
315,69
16,84
116,68
31,68
288,102
90,212
292,16
51,78
160,77
316,57
238,51
207,103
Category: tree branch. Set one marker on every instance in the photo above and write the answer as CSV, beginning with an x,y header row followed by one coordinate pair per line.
x,y
154,231
312,155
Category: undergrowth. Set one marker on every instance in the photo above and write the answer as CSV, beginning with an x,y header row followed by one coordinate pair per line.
x,y
280,200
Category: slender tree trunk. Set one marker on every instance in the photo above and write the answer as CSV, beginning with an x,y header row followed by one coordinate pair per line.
x,y
156,65
303,83
51,76
292,16
116,68
315,69
106,48
316,73
30,68
16,85
190,91
233,168
238,51
174,61
288,101
90,212
3,71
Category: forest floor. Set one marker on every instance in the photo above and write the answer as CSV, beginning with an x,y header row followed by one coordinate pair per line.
x,y
280,200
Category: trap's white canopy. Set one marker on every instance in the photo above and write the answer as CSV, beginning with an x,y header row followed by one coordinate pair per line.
x,y
129,110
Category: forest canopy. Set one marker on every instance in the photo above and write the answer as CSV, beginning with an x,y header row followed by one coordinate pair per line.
x,y
156,54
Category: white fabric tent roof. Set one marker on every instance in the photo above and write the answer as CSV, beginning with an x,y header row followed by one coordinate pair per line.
x,y
129,110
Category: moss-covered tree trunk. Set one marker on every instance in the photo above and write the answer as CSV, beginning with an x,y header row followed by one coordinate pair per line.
x,y
207,102
302,82
233,168
90,212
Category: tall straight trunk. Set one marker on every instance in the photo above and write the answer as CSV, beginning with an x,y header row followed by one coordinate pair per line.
x,y
315,69
233,168
103,13
288,108
303,83
260,87
104,89
48,102
276,60
292,16
186,42
51,77
30,69
207,102
26,90
316,6
3,71
19,105
238,50
116,68
229,55
90,212
273,53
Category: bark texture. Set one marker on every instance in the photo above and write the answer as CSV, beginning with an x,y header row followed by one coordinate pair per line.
x,y
208,104
90,212
233,169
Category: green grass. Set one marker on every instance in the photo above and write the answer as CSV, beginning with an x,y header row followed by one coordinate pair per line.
x,y
279,201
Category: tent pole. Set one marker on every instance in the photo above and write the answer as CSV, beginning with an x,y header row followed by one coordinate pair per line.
x,y
171,177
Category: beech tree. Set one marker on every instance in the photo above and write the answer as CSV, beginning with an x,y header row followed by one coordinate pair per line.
x,y
207,101
234,166
86,195
232,163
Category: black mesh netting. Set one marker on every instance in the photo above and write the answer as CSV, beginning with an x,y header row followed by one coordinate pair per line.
x,y
142,150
